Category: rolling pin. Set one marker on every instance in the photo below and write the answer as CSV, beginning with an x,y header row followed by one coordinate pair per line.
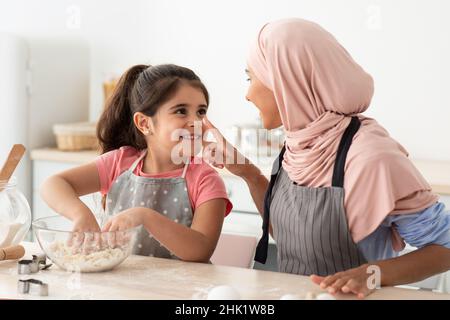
x,y
12,253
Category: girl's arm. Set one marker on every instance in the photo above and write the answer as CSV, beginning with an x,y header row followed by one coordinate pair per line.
x,y
195,243
62,191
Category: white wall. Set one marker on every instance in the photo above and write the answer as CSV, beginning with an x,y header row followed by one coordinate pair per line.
x,y
404,44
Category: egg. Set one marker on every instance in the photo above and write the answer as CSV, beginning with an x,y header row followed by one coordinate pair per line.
x,y
223,292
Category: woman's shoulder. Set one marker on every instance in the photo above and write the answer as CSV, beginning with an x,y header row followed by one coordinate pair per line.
x,y
373,144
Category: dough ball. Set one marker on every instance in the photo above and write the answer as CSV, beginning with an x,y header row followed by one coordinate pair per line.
x,y
223,293
290,297
325,296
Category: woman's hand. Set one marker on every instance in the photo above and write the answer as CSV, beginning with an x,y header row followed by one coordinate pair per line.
x,y
222,154
350,281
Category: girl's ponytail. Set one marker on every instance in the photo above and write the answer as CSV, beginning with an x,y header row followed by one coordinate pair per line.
x,y
115,127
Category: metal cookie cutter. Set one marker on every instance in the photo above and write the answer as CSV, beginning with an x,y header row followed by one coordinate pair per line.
x,y
33,287
27,267
41,261
32,266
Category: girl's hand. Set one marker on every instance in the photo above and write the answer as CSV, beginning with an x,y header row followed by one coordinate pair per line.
x,y
85,234
116,229
350,281
127,219
85,223
222,154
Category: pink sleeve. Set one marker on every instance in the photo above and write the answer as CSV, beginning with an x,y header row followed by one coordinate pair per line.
x,y
211,186
110,165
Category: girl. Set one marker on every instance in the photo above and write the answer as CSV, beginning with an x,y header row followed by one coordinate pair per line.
x,y
181,206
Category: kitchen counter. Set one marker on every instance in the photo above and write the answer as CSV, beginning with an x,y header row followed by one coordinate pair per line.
x,y
141,277
437,173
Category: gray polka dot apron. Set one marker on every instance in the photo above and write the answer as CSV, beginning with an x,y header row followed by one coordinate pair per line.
x,y
310,224
167,196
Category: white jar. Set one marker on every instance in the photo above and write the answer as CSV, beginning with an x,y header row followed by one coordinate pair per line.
x,y
15,214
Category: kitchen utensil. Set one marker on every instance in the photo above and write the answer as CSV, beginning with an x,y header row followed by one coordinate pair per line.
x,y
61,246
15,213
32,286
39,262
27,267
23,286
11,163
12,253
38,288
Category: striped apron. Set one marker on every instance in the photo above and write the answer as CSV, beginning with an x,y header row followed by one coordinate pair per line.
x,y
310,224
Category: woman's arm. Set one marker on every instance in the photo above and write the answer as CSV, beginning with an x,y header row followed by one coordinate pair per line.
x,y
414,266
258,184
62,191
237,164
196,243
428,230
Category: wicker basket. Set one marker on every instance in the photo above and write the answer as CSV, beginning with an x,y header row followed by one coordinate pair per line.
x,y
76,136
108,89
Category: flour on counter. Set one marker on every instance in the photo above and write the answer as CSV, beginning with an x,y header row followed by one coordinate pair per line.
x,y
101,260
8,232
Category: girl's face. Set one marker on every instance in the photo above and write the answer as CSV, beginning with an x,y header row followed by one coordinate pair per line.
x,y
264,100
173,124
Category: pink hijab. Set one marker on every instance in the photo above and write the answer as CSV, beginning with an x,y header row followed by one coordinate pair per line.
x,y
318,86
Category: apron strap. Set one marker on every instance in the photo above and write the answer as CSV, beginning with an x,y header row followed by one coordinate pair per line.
x,y
263,244
185,168
135,163
341,156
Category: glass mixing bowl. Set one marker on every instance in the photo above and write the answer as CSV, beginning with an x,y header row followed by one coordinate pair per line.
x,y
83,251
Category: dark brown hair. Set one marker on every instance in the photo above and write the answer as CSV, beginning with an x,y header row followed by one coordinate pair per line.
x,y
141,88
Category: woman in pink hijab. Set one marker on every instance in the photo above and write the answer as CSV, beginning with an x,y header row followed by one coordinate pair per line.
x,y
343,195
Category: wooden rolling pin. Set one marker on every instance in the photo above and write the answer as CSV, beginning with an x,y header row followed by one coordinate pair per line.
x,y
12,253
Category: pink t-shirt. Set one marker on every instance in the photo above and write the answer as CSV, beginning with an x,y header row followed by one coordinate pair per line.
x,y
203,182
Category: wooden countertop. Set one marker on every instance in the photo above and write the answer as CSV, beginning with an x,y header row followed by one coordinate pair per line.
x,y
141,277
437,173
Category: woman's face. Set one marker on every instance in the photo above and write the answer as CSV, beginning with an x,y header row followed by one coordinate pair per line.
x,y
264,100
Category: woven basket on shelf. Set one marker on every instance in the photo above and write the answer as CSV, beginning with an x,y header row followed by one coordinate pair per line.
x,y
76,136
